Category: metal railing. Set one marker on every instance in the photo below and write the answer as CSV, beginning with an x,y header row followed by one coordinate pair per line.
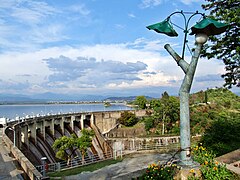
x,y
145,147
158,146
78,162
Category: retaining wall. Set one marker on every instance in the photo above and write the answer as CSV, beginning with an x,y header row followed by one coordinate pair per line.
x,y
108,119
27,166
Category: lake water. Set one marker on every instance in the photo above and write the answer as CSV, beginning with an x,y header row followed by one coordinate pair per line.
x,y
12,111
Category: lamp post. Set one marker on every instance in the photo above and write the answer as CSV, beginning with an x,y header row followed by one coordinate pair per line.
x,y
201,30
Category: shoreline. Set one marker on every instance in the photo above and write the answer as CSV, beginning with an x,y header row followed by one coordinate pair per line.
x,y
60,102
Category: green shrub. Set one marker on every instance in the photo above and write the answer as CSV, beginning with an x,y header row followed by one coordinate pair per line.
x,y
157,171
223,135
127,119
149,123
210,168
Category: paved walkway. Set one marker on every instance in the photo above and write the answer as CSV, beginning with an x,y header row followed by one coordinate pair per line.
x,y
136,163
8,170
232,161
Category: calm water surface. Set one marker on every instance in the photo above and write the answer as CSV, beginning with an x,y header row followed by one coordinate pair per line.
x,y
12,111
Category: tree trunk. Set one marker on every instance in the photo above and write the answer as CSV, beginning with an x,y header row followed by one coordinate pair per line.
x,y
163,125
83,156
69,161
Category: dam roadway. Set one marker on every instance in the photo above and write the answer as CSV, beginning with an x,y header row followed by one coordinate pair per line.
x,y
8,169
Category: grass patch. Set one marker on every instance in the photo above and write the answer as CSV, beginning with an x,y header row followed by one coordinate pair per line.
x,y
78,170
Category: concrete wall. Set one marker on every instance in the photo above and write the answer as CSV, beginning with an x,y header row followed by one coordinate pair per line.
x,y
27,166
106,121
119,132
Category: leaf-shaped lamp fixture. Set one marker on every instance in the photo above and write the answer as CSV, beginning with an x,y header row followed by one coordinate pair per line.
x,y
163,27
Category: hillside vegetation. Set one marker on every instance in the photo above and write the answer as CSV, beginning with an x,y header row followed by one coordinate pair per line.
x,y
217,118
214,114
212,105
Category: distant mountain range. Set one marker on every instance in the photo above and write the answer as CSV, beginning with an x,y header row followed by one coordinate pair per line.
x,y
127,98
47,97
16,98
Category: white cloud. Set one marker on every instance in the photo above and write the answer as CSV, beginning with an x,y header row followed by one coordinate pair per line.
x,y
131,15
7,4
154,80
206,67
150,3
31,12
119,26
47,33
33,38
16,64
26,25
80,9
153,3
89,71
30,66
187,2
33,74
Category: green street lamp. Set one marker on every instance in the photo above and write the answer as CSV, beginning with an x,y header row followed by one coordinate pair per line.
x,y
163,27
206,27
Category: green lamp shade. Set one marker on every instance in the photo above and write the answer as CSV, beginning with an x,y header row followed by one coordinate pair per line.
x,y
209,26
163,27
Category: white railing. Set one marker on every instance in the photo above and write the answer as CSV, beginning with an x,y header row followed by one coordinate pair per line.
x,y
144,147
77,162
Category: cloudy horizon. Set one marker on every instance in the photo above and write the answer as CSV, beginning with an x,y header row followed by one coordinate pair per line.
x,y
94,47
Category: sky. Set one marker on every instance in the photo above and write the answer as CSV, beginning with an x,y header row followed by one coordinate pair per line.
x,y
98,47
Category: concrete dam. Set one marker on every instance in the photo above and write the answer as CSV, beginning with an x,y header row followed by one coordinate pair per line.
x,y
34,137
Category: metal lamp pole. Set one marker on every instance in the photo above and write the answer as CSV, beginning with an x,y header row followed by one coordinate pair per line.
x,y
202,30
189,70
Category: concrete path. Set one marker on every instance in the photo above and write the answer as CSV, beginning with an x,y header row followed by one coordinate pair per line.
x,y
232,161
135,164
8,170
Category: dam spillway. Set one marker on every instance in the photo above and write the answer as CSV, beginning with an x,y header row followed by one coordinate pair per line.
x,y
35,136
